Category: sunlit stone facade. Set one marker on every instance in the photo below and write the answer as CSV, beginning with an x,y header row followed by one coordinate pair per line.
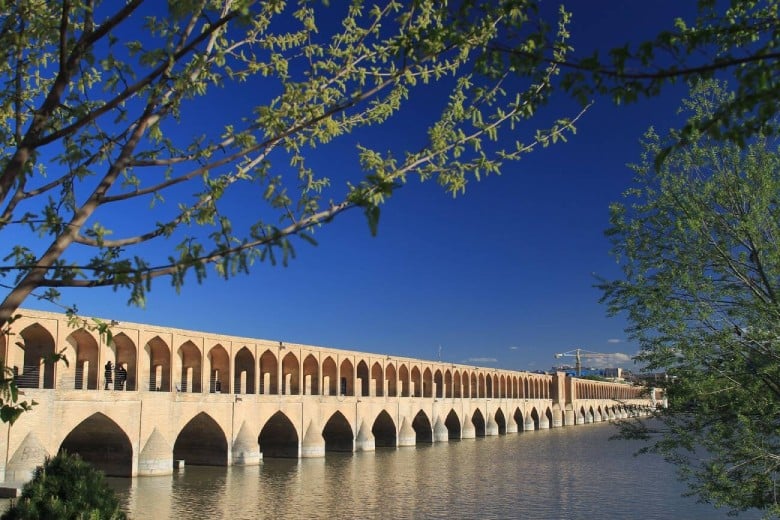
x,y
214,399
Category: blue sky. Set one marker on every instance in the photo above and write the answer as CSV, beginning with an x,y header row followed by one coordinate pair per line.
x,y
502,276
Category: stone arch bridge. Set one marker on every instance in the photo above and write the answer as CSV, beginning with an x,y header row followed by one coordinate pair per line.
x,y
213,399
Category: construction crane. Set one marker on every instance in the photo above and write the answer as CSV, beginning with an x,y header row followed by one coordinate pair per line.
x,y
578,354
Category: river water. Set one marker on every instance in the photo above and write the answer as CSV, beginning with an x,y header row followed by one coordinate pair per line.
x,y
565,473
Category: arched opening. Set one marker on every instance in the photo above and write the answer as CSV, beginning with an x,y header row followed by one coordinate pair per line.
x,y
338,434
101,442
311,376
478,420
377,379
244,372
416,382
290,375
438,382
362,375
403,376
278,438
159,356
126,357
452,422
535,417
37,367
448,384
384,431
268,374
502,387
201,443
347,383
501,422
457,386
330,378
427,383
392,380
191,368
549,415
422,427
482,393
474,387
219,379
85,369
467,386
518,416
489,387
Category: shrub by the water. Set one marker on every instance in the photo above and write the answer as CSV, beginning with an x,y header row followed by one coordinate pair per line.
x,y
66,487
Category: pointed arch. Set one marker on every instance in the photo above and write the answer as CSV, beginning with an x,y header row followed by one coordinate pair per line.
x,y
488,387
347,384
158,355
378,379
191,368
201,442
101,442
392,380
219,370
311,376
478,420
330,379
416,382
481,383
452,422
438,384
535,418
37,367
427,383
85,353
244,372
291,375
269,373
474,387
457,387
384,431
338,434
362,374
126,354
518,417
403,376
500,421
422,427
278,438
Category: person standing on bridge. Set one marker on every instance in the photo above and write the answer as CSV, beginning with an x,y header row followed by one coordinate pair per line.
x,y
109,371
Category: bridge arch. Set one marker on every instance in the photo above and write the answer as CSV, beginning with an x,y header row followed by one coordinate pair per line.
x,y
448,384
347,383
518,417
191,368
330,377
244,372
384,431
311,376
158,355
535,418
279,438
83,348
391,378
478,420
201,442
438,382
101,442
416,382
474,387
452,422
338,434
37,370
219,369
458,389
269,384
362,374
126,355
422,427
500,421
403,376
488,387
378,379
291,375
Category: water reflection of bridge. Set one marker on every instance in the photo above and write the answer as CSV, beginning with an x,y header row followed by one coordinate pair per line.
x,y
220,400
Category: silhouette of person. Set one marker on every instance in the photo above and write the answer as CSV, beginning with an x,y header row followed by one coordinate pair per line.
x,y
109,370
122,377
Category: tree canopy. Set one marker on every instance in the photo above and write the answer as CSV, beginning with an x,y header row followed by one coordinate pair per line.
x,y
697,239
148,139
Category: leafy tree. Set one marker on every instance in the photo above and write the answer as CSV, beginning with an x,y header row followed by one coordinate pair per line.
x,y
739,39
66,487
698,239
102,116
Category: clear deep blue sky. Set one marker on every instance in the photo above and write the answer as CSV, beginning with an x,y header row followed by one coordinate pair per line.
x,y
502,276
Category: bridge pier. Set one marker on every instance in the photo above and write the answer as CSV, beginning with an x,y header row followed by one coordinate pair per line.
x,y
246,450
365,439
440,432
468,431
406,435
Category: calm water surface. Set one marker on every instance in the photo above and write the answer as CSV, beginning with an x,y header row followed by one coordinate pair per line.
x,y
559,473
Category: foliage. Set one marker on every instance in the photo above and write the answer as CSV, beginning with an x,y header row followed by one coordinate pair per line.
x,y
110,110
698,241
739,39
66,487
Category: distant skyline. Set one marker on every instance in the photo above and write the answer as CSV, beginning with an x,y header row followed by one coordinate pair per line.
x,y
502,276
